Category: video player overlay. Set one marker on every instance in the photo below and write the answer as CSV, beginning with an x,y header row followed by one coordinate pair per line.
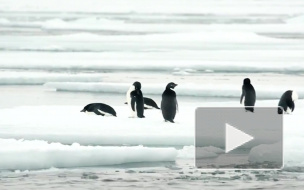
x,y
232,138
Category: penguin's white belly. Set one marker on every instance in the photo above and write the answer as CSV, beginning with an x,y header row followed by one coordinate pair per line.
x,y
132,113
243,101
147,106
294,96
288,111
89,113
128,97
105,113
135,112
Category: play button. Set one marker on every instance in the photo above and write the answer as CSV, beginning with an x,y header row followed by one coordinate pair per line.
x,y
235,138
231,138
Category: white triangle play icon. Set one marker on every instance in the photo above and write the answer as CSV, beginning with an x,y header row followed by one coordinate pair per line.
x,y
235,138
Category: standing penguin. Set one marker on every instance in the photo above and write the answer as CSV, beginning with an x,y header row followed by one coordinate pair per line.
x,y
169,103
135,100
248,93
287,102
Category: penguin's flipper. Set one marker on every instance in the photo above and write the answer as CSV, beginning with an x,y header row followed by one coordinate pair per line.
x,y
250,109
171,121
291,105
150,102
242,96
154,105
98,113
133,100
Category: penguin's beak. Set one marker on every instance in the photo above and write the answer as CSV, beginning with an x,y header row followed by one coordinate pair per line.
x,y
82,110
175,85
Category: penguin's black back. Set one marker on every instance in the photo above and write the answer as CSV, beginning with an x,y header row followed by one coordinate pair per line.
x,y
93,107
250,96
137,97
150,102
248,92
169,104
286,101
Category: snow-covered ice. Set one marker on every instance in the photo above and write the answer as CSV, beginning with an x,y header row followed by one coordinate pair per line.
x,y
190,89
266,153
215,60
296,20
58,124
149,6
39,78
33,155
205,152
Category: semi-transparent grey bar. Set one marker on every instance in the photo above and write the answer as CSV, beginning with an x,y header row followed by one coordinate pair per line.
x,y
216,128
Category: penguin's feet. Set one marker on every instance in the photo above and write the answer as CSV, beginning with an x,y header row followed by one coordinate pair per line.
x,y
169,121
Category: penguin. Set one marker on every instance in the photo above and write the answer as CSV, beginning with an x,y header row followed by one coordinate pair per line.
x,y
135,100
286,102
169,103
148,103
248,93
99,109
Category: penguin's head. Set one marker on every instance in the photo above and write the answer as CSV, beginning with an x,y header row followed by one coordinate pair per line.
x,y
137,85
246,81
171,85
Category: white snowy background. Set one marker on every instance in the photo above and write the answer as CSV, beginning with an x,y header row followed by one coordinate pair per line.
x,y
57,56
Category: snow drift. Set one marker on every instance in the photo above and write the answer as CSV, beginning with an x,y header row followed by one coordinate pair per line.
x,y
160,61
32,155
88,42
67,125
210,90
58,128
266,153
296,20
150,6
38,78
204,152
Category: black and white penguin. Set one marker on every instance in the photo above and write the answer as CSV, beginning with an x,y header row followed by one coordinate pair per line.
x,y
287,102
135,100
248,94
99,109
169,103
149,103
